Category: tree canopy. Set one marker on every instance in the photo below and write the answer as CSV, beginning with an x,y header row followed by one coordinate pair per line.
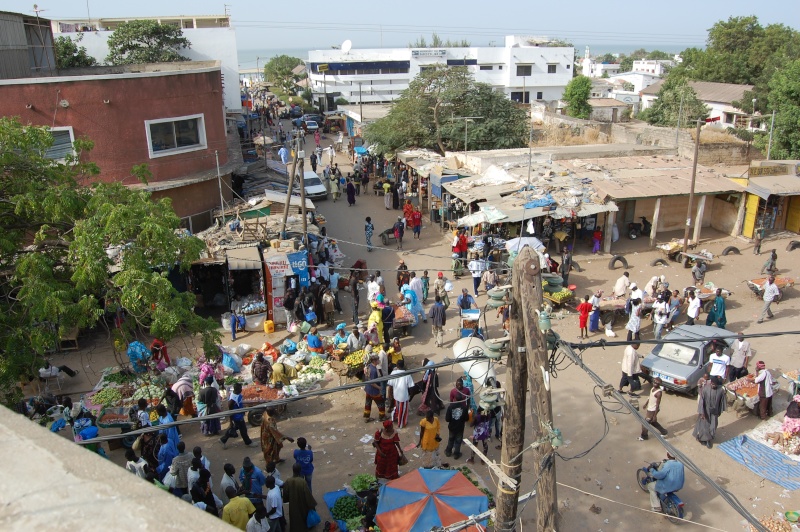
x,y
666,109
70,55
429,115
56,245
278,71
438,42
784,98
576,94
146,41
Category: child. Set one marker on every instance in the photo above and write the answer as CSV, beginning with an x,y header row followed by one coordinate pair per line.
x,y
305,458
584,309
425,283
480,432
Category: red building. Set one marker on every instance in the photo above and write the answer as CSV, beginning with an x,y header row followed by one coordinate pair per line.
x,y
168,116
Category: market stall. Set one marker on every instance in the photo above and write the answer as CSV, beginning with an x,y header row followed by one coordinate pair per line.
x,y
284,271
246,286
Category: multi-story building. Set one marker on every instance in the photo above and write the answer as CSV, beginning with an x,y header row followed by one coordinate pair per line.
x,y
656,67
524,69
169,116
212,38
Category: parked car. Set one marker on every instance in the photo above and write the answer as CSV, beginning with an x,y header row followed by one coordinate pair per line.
x,y
683,357
296,112
316,118
311,126
315,189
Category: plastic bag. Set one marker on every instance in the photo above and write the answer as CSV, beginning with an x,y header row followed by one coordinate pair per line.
x,y
448,286
184,363
229,362
288,347
243,349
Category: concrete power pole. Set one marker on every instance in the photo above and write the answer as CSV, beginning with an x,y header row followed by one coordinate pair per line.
x,y
292,173
513,439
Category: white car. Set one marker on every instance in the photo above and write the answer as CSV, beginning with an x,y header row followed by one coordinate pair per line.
x,y
315,189
311,126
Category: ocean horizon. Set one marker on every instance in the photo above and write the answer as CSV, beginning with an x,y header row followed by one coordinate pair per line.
x,y
247,57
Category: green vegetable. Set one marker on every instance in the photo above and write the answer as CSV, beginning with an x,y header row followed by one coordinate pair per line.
x,y
120,378
363,482
147,392
346,508
355,523
107,397
230,380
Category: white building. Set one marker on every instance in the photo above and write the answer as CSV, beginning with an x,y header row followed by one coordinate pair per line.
x,y
592,69
524,69
211,38
657,67
639,80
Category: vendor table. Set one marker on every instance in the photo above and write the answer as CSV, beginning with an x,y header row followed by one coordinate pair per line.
x,y
256,394
794,381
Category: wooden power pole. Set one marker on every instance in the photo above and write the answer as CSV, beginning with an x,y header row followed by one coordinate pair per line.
x,y
541,407
513,439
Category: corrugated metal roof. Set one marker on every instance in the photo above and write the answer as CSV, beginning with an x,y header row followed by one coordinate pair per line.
x,y
708,91
244,258
778,185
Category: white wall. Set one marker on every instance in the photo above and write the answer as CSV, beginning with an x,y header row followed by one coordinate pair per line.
x,y
207,44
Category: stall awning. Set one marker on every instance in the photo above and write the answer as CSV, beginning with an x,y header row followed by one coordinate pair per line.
x,y
244,258
778,185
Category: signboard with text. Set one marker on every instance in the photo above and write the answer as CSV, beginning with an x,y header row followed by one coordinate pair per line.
x,y
428,52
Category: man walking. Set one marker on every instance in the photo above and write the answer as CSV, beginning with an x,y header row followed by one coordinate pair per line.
x,y
771,294
660,317
237,423
630,370
456,417
475,267
372,391
693,310
718,363
300,500
438,317
399,231
711,403
653,407
566,265
313,162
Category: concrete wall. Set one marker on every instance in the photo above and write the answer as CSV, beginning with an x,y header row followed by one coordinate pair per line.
x,y
197,200
719,214
47,482
117,128
723,215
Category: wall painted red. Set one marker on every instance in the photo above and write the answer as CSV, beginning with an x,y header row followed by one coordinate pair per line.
x,y
117,128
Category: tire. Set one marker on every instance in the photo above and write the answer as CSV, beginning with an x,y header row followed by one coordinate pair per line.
x,y
641,479
633,235
384,240
656,262
577,267
687,262
613,262
254,418
731,249
608,317
673,512
794,244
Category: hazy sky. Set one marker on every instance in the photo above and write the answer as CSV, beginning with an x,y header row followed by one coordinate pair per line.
x,y
316,24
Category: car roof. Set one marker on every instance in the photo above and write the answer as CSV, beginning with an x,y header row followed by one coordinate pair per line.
x,y
697,332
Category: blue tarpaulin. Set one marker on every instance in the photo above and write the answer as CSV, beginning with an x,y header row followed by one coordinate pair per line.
x,y
763,461
540,202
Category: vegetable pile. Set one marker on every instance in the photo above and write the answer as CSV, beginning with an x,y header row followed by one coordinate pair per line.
x,y
147,392
120,378
346,508
355,359
773,525
564,295
362,482
354,523
107,397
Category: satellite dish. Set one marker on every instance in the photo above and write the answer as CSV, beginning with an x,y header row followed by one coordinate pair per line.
x,y
347,45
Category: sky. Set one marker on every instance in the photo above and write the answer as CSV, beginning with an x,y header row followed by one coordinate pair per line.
x,y
314,24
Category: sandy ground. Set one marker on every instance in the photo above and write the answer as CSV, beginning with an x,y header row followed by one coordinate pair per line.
x,y
605,477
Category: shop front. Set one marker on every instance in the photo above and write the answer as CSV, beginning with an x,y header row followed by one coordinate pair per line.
x,y
246,288
773,197
284,271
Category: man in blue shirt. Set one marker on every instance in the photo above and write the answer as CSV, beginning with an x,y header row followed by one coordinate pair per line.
x,y
237,423
466,301
253,480
668,479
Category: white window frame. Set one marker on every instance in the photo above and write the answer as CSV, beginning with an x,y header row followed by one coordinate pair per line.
x,y
71,140
174,151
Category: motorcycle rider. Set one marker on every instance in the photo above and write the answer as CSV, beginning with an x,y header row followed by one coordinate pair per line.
x,y
667,478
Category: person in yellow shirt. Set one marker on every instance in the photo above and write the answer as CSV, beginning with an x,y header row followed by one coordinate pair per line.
x,y
429,441
238,510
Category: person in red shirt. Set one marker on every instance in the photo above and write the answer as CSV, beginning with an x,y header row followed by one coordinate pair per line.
x,y
416,222
584,309
158,353
461,244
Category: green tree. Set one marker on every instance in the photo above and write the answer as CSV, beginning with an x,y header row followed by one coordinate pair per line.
x,y
70,55
784,98
658,54
278,71
146,41
438,42
576,94
55,249
426,115
607,58
626,64
666,109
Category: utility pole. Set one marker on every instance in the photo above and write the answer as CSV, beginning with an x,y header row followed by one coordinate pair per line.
x,y
772,125
513,439
530,146
466,119
678,126
291,174
691,190
539,376
221,201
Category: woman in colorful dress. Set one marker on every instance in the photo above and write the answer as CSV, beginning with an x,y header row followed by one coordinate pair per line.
x,y
387,451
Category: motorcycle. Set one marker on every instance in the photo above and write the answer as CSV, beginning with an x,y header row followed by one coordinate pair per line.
x,y
636,230
671,504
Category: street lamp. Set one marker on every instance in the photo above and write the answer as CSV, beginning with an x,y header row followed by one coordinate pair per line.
x,y
466,119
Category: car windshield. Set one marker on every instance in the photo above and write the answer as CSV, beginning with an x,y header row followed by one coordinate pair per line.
x,y
312,181
311,123
682,354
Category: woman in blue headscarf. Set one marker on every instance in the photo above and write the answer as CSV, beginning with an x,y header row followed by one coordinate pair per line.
x,y
341,335
412,304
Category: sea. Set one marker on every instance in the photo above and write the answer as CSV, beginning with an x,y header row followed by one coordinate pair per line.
x,y
248,57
